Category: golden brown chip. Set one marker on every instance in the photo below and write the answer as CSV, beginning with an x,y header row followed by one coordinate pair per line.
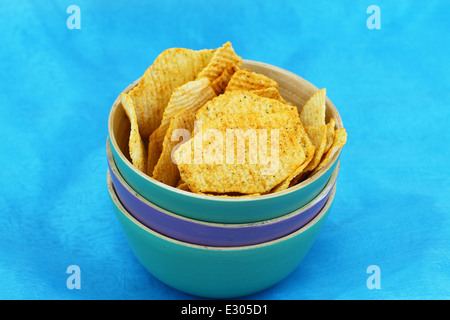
x,y
184,186
318,137
297,175
171,69
241,102
231,195
313,113
307,145
223,59
248,166
330,134
135,144
190,96
245,79
291,178
166,170
220,83
231,106
271,93
153,153
340,139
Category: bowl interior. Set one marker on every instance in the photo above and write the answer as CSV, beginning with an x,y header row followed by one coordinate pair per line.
x,y
292,87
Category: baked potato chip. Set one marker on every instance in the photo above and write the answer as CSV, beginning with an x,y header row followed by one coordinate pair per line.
x,y
313,112
271,93
297,175
330,134
190,96
135,144
240,137
340,139
245,79
220,83
223,59
318,137
171,69
153,153
184,186
166,170
242,102
243,167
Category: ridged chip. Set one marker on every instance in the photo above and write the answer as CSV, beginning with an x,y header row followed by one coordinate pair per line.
x,y
190,96
206,94
277,147
245,79
330,134
241,102
135,143
153,153
220,83
171,69
340,139
166,170
318,137
297,175
183,186
224,58
313,112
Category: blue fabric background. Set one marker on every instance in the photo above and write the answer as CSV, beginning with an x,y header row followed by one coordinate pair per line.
x,y
391,87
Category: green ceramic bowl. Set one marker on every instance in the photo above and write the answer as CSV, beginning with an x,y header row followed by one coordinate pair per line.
x,y
225,210
218,272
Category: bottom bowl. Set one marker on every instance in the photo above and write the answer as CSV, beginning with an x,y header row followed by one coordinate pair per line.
x,y
217,272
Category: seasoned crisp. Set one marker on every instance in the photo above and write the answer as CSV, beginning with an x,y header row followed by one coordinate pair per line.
x,y
135,144
245,153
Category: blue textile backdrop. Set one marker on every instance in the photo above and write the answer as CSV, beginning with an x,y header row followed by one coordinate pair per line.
x,y
391,86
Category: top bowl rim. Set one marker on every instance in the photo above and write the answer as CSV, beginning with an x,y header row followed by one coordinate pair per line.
x,y
289,190
140,225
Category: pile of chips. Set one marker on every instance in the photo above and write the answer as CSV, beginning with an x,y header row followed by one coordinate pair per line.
x,y
202,123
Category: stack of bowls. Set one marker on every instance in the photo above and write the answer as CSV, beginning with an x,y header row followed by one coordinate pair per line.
x,y
212,246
